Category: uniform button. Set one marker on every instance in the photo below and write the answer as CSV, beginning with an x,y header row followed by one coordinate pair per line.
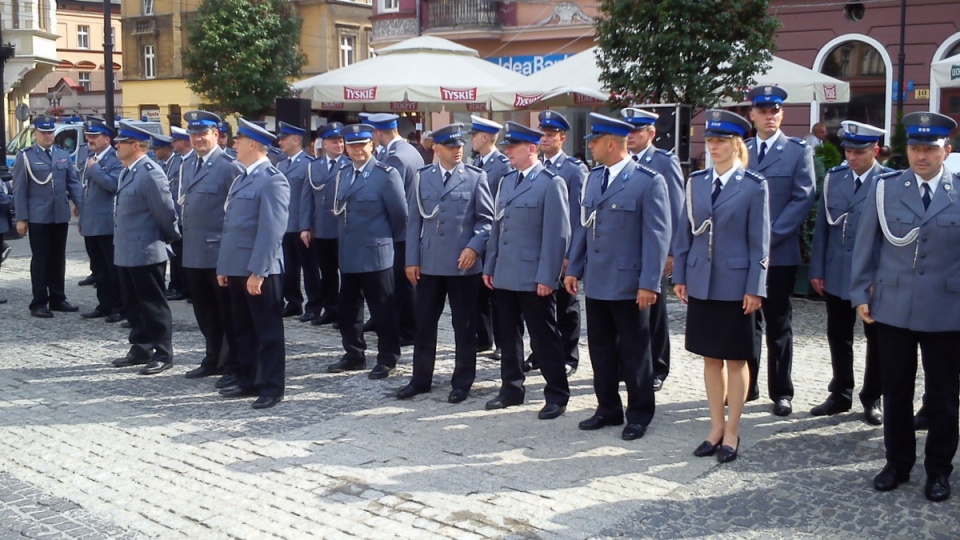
x,y
924,256
924,240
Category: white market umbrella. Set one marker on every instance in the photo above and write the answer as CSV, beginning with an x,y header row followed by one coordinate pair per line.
x,y
947,72
420,74
803,85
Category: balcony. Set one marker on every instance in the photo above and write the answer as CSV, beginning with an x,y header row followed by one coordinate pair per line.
x,y
462,15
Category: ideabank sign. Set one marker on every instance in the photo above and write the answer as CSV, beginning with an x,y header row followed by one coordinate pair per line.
x,y
526,65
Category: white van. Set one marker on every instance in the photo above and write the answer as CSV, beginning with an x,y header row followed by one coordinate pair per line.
x,y
67,135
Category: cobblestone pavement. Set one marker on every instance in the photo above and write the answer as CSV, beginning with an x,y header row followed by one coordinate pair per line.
x,y
90,451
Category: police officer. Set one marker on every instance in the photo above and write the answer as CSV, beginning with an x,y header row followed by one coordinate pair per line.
x,y
249,266
787,164
524,260
178,289
906,263
162,149
99,174
406,159
483,140
43,180
223,138
371,211
845,189
145,222
204,181
450,211
296,256
640,145
625,229
318,225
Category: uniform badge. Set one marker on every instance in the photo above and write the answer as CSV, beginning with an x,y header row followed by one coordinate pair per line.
x,y
947,187
433,169
925,120
852,129
648,159
767,90
907,183
715,116
779,148
366,174
738,177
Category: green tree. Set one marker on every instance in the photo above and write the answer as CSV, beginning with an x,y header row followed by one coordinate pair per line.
x,y
695,52
241,54
898,146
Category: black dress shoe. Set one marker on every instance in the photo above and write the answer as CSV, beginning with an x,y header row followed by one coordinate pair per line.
x,y
873,413
309,316
529,365
126,324
3,300
381,371
598,421
633,431
292,310
65,307
407,342
937,488
345,364
571,369
226,381
128,361
41,313
657,384
411,390
551,411
326,318
457,395
921,423
236,391
833,405
496,354
200,372
753,395
726,454
95,314
484,348
265,402
114,317
155,366
86,281
706,449
782,407
889,478
369,326
500,402
173,296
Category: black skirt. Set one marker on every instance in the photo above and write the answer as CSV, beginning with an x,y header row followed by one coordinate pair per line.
x,y
719,329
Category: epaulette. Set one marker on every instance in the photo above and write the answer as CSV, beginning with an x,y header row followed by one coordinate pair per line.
x,y
345,165
597,168
148,166
472,168
548,173
838,168
648,170
575,161
425,167
701,171
272,171
753,175
503,159
392,152
228,156
664,152
801,142
384,166
888,175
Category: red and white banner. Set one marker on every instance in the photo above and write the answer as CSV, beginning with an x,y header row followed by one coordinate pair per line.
x,y
463,94
522,100
359,94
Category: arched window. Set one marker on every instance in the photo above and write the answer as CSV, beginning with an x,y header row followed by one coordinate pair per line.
x,y
861,65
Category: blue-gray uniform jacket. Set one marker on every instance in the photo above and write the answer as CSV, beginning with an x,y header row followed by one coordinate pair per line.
x,y
574,172
99,182
201,198
316,198
402,156
6,206
915,286
41,197
831,255
496,168
295,172
145,220
788,168
741,238
531,231
174,169
625,246
254,224
464,212
667,164
372,212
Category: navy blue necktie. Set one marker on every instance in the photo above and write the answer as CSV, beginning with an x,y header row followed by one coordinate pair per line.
x,y
606,181
446,177
199,165
856,184
762,153
717,188
519,179
926,196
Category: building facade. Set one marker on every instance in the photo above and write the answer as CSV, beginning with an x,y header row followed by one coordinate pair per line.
x,y
30,26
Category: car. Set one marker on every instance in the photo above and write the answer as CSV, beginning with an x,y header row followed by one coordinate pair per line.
x,y
67,135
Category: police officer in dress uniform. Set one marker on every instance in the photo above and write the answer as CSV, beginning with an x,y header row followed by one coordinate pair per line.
x,y
296,256
371,211
845,189
406,159
318,225
483,139
906,281
619,249
787,164
178,289
573,171
162,149
640,145
223,138
144,223
529,241
450,212
99,174
43,180
205,179
249,267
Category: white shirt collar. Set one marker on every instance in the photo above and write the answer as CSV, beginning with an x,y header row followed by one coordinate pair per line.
x,y
725,177
103,154
134,164
295,156
526,172
618,166
553,159
487,157
256,164
934,183
393,142
769,141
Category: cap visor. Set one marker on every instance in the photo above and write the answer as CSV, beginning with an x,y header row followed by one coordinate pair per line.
x,y
721,134
857,145
926,142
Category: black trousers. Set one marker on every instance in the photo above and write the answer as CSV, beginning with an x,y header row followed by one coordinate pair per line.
x,y
940,352
618,334
145,304
462,292
291,269
100,250
178,277
777,314
48,265
841,320
539,312
568,322
660,336
214,313
258,321
377,288
324,252
487,331
405,295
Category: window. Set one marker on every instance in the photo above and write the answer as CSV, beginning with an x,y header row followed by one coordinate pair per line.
x,y
387,6
83,36
84,80
149,62
148,7
348,49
